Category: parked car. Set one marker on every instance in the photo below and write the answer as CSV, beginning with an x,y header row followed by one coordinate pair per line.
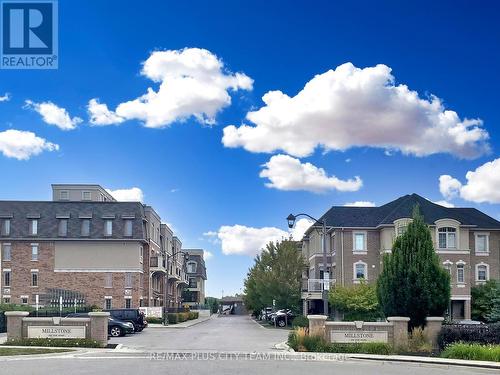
x,y
116,327
265,313
134,316
283,317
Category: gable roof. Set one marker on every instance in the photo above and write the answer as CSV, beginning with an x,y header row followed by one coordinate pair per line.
x,y
371,217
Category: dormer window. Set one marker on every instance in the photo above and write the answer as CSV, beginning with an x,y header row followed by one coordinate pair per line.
x,y
191,267
447,237
86,196
64,195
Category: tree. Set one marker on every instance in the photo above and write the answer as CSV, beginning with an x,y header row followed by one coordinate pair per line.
x,y
486,302
275,275
412,282
357,302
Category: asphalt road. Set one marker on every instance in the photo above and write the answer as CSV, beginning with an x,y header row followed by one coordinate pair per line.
x,y
228,345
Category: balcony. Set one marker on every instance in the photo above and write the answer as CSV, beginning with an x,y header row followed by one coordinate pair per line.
x,y
156,264
313,288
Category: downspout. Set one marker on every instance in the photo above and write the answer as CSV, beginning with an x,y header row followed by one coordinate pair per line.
x,y
342,252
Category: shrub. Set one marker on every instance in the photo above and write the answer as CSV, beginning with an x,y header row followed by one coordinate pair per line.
x,y
173,318
475,352
418,342
193,315
300,321
183,317
362,348
481,334
357,302
14,307
73,343
154,320
486,301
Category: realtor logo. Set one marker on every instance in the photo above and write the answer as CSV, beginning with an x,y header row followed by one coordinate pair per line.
x,y
28,34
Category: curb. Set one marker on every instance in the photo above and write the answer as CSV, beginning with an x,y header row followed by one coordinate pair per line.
x,y
178,326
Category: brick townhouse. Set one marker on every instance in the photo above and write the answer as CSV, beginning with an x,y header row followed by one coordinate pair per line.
x,y
467,241
87,248
196,271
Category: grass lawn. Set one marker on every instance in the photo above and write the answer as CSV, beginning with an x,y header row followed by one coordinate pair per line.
x,y
30,351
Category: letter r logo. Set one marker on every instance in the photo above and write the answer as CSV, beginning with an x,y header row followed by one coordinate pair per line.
x,y
27,27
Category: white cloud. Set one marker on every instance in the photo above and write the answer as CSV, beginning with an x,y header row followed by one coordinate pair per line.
x,y
482,184
127,195
22,145
351,107
360,204
287,173
243,240
5,98
300,228
444,203
192,83
101,115
207,255
54,115
449,186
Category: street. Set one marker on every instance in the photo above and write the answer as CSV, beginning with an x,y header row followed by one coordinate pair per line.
x,y
225,345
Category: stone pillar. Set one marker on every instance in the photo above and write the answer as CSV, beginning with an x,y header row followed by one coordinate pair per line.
x,y
400,331
317,325
467,309
305,307
15,324
432,329
99,326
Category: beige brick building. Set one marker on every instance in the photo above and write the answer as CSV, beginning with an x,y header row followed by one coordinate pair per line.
x,y
467,241
84,246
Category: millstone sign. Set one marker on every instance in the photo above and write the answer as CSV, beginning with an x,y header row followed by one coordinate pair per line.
x,y
51,332
345,337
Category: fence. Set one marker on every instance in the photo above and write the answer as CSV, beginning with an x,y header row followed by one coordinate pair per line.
x,y
3,322
55,312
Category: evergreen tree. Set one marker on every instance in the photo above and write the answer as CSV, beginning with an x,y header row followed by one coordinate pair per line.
x,y
412,282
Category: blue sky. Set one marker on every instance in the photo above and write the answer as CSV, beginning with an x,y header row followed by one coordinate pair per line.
x,y
200,184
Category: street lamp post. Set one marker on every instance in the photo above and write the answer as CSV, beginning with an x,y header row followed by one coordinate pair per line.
x,y
326,276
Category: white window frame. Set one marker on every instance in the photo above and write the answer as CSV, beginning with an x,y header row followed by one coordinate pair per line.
x,y
4,273
108,280
487,266
486,251
128,280
83,195
106,299
141,254
108,233
4,246
35,254
191,263
365,240
447,246
126,224
63,224
37,281
461,265
5,230
33,227
354,275
81,228
128,301
61,195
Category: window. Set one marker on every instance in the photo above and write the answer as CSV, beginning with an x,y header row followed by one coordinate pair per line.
x,y
86,196
482,243
447,267
64,195
359,242
34,227
192,282
6,300
128,303
191,267
63,227
85,227
447,238
460,273
34,251
34,278
6,252
6,278
360,271
141,254
128,280
108,280
5,230
108,303
128,228
24,300
108,227
482,272
402,229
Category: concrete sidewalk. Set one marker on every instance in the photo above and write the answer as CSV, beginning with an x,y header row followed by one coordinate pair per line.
x,y
186,324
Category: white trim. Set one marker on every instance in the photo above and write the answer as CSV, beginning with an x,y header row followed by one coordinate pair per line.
x,y
83,195
448,223
6,270
127,297
365,241
459,297
34,270
476,273
108,297
354,270
459,252
487,250
461,263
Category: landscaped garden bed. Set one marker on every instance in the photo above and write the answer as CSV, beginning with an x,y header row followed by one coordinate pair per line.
x,y
30,351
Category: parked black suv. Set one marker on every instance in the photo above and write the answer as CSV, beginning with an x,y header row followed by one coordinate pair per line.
x,y
116,327
134,316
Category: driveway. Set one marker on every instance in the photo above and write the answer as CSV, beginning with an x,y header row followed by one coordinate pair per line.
x,y
226,333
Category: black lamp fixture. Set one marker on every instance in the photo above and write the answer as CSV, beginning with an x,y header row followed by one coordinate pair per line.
x,y
291,221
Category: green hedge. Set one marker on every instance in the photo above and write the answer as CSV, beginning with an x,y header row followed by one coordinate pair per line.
x,y
174,318
300,321
154,320
475,352
73,343
14,307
